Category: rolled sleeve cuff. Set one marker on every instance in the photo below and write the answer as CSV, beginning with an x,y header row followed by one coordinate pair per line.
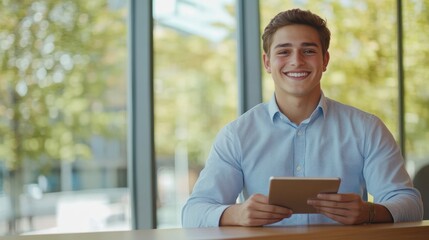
x,y
202,215
409,212
214,219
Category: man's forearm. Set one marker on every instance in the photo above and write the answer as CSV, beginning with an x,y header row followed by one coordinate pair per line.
x,y
228,216
379,214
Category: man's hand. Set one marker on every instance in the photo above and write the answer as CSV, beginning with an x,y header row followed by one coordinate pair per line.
x,y
255,211
349,209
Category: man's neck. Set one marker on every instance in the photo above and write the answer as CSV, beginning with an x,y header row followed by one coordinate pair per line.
x,y
296,108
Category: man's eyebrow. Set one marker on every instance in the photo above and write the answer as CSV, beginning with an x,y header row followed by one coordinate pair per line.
x,y
310,44
282,45
304,44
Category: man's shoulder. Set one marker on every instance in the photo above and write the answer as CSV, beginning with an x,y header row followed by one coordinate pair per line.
x,y
254,116
257,112
346,109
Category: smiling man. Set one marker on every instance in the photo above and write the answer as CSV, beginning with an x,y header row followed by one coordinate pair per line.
x,y
302,133
296,61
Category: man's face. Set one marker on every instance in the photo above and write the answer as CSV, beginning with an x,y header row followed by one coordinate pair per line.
x,y
296,62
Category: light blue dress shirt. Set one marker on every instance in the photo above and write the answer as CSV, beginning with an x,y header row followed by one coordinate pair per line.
x,y
335,141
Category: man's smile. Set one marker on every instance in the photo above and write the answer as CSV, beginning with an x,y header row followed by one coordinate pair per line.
x,y
297,74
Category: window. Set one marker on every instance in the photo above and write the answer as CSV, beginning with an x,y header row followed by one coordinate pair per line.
x,y
416,60
63,116
195,93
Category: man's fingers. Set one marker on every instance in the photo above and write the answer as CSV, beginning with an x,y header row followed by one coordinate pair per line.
x,y
259,202
343,208
337,197
268,215
325,203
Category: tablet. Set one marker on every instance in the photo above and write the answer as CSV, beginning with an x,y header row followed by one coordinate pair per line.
x,y
293,192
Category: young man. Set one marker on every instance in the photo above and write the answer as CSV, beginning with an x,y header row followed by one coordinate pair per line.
x,y
302,133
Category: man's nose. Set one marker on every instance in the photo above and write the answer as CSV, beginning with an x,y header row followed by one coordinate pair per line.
x,y
296,59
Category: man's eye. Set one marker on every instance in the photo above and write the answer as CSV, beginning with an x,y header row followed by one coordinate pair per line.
x,y
309,51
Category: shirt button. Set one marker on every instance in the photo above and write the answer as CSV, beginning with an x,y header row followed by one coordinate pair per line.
x,y
299,133
298,168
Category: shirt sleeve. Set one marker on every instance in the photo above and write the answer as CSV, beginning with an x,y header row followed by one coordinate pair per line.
x,y
219,183
386,176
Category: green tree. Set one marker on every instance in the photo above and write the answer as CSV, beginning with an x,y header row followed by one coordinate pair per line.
x,y
56,62
416,60
195,91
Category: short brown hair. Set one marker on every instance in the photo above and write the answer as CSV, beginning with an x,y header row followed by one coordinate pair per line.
x,y
296,16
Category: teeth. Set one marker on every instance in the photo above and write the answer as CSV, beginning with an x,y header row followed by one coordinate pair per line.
x,y
301,74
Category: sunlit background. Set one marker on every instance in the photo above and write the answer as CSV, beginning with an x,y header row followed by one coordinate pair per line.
x,y
63,98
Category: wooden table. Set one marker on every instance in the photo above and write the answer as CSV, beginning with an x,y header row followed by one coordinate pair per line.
x,y
412,231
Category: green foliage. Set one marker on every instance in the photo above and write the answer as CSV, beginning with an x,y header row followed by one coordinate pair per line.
x,y
195,91
57,58
416,60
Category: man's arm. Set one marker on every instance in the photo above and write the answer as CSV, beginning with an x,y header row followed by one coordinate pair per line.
x,y
218,186
386,177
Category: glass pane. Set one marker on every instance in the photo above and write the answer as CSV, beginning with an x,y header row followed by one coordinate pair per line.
x,y
362,71
63,164
195,92
416,60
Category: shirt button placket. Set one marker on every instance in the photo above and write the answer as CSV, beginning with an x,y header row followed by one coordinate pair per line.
x,y
299,152
299,161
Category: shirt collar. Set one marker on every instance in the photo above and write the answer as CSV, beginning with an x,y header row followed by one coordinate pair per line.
x,y
273,108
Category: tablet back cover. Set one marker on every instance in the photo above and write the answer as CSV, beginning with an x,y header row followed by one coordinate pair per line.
x,y
293,192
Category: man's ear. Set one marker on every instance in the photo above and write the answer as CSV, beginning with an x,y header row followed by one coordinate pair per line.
x,y
325,60
267,63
